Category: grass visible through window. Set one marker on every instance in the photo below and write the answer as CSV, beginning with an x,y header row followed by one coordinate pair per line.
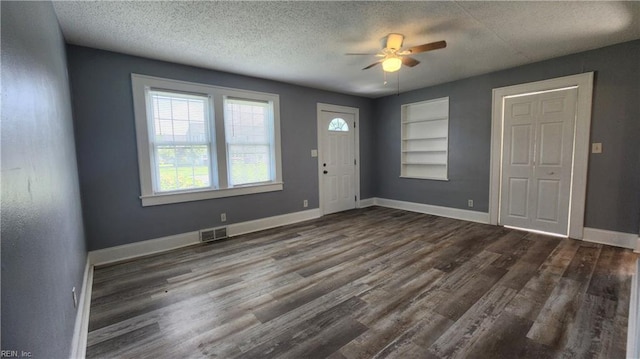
x,y
187,177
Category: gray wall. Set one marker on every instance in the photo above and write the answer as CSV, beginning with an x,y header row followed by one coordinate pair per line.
x,y
613,190
107,156
43,249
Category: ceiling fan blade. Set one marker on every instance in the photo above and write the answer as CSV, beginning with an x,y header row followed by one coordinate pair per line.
x,y
409,61
428,47
372,65
359,53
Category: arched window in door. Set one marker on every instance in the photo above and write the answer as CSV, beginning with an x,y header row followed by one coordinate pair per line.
x,y
339,125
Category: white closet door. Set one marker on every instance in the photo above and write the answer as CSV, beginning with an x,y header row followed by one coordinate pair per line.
x,y
537,160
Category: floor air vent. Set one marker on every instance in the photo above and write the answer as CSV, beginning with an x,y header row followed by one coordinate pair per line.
x,y
214,234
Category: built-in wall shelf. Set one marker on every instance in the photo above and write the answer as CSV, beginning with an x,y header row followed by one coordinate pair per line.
x,y
425,163
425,139
426,120
425,178
413,151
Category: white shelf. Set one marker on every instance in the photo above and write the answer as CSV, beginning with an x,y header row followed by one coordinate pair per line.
x,y
424,163
427,178
425,120
424,151
425,139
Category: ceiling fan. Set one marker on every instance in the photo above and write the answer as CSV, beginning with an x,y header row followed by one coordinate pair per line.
x,y
393,57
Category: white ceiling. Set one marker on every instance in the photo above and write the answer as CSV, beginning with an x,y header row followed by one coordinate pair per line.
x,y
304,42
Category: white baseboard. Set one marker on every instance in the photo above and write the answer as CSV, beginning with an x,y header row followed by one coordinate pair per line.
x,y
367,202
81,327
158,245
237,229
463,214
633,329
618,239
143,248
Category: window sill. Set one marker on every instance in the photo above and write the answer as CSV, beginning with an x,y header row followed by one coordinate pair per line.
x,y
167,198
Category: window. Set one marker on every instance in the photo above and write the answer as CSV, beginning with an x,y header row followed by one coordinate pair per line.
x,y
338,124
198,141
248,145
180,141
425,139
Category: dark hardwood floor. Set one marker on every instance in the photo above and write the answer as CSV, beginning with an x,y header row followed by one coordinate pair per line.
x,y
368,283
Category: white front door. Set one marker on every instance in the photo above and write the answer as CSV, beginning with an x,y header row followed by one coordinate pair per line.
x,y
537,159
337,161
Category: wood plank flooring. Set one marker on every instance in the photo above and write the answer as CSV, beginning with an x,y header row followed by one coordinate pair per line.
x,y
368,283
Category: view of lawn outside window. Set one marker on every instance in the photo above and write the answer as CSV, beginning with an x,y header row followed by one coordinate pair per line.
x,y
182,167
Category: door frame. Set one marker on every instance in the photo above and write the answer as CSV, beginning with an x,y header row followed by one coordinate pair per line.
x,y
321,107
584,83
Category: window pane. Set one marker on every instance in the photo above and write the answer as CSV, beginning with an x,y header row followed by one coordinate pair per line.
x,y
182,167
338,124
179,118
181,141
249,164
249,141
162,106
180,109
246,122
196,111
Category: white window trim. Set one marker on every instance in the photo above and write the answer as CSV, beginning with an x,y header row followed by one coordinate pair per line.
x,y
140,83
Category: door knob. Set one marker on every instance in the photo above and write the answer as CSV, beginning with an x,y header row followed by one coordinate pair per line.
x,y
325,172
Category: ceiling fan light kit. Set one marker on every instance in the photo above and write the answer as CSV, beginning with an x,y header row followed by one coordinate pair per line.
x,y
391,64
393,57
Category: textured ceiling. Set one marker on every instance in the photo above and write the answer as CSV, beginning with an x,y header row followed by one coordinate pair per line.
x,y
305,42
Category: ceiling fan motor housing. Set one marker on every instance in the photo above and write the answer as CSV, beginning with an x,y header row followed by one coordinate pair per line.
x,y
393,41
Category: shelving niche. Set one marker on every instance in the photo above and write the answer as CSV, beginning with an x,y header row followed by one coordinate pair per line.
x,y
425,139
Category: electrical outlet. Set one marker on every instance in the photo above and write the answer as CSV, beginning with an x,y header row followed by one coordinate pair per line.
x,y
75,297
223,217
470,203
596,147
305,203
